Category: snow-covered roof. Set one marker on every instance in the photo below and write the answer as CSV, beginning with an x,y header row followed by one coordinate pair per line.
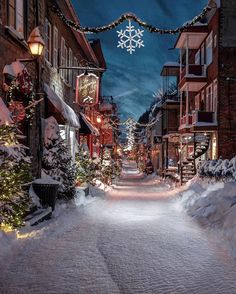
x,y
197,24
14,68
67,112
93,130
5,116
171,64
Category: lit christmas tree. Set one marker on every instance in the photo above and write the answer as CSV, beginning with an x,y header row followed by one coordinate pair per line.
x,y
14,173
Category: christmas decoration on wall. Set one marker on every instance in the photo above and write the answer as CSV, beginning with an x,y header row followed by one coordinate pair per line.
x,y
14,174
21,97
130,38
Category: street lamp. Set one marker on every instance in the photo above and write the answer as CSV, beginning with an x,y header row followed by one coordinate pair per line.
x,y
36,43
99,119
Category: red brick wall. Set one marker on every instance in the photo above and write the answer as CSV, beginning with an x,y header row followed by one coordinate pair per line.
x,y
227,81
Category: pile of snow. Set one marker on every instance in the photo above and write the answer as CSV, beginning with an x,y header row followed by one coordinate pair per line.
x,y
213,205
219,169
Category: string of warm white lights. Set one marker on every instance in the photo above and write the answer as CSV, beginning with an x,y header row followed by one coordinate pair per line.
x,y
131,122
128,16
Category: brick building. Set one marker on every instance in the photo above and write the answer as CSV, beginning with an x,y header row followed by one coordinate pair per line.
x,y
208,88
63,48
201,124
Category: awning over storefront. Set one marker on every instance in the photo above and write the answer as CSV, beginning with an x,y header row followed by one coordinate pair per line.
x,y
86,126
66,111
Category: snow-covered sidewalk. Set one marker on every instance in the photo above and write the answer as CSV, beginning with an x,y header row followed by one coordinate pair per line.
x,y
136,239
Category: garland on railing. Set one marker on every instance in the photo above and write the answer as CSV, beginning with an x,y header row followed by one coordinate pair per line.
x,y
124,17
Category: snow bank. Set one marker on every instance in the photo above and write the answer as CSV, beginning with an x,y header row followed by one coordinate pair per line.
x,y
213,205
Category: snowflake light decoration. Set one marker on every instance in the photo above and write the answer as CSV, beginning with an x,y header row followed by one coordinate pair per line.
x,y
130,38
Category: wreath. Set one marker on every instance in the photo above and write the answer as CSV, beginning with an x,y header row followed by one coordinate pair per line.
x,y
21,97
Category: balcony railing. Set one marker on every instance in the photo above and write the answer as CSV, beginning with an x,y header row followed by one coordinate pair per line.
x,y
204,117
194,71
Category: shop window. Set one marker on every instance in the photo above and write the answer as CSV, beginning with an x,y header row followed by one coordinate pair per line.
x,y
209,44
16,15
55,47
48,41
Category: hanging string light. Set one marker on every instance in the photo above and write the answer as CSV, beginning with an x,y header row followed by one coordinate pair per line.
x,y
128,16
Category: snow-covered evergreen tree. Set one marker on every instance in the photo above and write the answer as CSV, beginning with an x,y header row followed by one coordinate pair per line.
x,y
87,169
57,162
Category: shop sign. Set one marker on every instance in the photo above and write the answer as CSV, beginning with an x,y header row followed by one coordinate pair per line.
x,y
87,89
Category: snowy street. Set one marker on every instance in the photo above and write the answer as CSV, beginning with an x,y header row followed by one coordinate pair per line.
x,y
136,239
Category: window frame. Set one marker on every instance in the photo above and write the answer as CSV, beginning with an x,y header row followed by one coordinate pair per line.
x,y
198,57
209,49
70,64
63,59
15,26
209,98
75,73
215,96
202,60
55,46
48,41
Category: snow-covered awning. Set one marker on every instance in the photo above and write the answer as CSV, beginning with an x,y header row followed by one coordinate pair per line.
x,y
86,125
66,111
14,68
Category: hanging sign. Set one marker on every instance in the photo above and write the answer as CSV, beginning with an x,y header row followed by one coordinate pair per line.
x,y
87,89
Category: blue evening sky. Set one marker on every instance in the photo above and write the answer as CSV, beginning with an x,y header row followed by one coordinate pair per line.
x,y
132,79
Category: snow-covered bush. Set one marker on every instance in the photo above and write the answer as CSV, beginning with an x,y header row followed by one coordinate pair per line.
x,y
219,169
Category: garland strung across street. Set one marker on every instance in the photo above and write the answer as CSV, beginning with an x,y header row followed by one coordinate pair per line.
x,y
129,38
130,122
124,17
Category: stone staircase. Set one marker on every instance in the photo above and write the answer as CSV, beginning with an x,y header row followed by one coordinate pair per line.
x,y
188,169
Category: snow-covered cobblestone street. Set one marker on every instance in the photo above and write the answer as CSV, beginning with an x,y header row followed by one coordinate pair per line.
x,y
136,239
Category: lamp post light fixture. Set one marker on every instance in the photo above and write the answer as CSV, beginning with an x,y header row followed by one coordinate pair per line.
x,y
99,119
36,43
